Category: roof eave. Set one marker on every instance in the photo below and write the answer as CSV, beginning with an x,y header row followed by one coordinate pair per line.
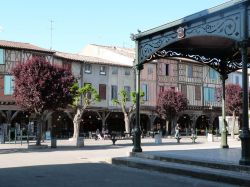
x,y
189,18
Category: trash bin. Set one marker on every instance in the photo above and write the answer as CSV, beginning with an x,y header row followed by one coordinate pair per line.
x,y
53,143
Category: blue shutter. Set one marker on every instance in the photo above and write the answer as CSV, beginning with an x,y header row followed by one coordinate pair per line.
x,y
190,71
145,90
212,94
2,56
8,85
206,94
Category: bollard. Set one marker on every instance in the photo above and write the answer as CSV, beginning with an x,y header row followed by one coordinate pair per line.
x,y
53,143
15,135
21,134
9,136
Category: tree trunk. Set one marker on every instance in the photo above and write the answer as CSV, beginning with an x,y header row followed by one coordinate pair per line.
x,y
76,121
168,127
39,130
127,123
234,118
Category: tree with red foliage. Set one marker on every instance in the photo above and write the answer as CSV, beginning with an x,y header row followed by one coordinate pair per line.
x,y
233,101
41,87
169,104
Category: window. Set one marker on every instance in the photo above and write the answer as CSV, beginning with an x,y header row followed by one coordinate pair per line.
x,y
213,74
114,70
67,65
127,71
41,56
167,69
190,71
103,70
87,68
127,89
237,80
161,88
2,56
150,70
197,93
209,94
184,90
8,85
114,92
144,88
102,91
88,94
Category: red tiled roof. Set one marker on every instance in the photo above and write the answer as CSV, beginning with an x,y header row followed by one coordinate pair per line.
x,y
83,58
20,45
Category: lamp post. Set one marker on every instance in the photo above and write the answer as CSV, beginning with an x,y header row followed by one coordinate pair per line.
x,y
245,133
137,131
224,129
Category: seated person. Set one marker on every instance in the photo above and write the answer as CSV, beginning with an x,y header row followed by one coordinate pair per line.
x,y
98,135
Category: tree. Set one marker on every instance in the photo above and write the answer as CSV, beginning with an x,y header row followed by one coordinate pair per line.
x,y
40,87
169,104
84,97
233,101
127,111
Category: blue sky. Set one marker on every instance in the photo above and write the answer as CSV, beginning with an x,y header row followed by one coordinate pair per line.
x,y
77,23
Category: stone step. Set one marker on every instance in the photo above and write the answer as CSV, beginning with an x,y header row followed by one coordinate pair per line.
x,y
197,162
207,173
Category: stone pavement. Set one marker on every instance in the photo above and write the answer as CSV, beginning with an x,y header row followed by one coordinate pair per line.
x,y
101,150
96,151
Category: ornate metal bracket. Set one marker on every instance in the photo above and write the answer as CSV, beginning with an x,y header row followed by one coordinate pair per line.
x,y
223,67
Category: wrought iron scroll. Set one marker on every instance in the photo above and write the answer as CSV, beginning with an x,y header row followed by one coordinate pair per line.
x,y
148,48
163,54
223,67
227,27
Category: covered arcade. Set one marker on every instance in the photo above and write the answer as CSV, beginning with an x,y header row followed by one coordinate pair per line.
x,y
217,37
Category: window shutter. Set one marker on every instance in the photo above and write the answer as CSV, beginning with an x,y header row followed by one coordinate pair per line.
x,y
197,93
184,90
102,91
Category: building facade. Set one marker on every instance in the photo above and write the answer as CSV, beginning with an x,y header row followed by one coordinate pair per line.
x,y
109,70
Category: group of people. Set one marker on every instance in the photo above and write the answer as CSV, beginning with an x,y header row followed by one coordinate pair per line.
x,y
177,131
101,136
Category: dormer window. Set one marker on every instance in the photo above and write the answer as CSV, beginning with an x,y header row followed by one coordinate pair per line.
x,y
103,70
87,68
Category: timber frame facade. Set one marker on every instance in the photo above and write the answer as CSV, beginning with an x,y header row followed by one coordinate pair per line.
x,y
186,76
